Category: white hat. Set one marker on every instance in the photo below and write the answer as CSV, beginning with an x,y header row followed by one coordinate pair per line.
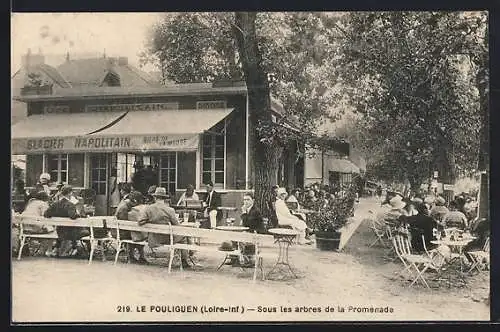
x,y
397,202
281,191
45,176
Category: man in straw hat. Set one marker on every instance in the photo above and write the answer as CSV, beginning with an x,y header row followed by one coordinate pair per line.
x,y
160,212
396,210
285,218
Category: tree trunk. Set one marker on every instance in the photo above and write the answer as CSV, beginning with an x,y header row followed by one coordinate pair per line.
x,y
265,152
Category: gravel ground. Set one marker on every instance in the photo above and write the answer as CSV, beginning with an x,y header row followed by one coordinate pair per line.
x,y
356,280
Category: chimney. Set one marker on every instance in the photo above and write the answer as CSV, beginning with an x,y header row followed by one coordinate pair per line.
x,y
122,61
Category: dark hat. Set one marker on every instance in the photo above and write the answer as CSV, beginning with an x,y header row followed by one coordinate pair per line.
x,y
66,190
226,246
161,192
209,183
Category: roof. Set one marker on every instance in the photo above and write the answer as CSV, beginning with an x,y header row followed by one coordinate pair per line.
x,y
92,71
47,73
96,92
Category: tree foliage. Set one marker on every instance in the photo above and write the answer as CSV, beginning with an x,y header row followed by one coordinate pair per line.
x,y
413,76
287,55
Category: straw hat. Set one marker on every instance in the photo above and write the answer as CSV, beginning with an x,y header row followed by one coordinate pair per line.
x,y
397,202
160,192
45,176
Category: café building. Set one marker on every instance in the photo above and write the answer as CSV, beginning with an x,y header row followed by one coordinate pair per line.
x,y
91,123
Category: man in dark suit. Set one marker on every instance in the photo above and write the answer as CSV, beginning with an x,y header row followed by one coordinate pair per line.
x,y
211,203
65,209
251,218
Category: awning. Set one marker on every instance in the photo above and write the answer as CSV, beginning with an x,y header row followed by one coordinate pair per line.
x,y
341,166
168,130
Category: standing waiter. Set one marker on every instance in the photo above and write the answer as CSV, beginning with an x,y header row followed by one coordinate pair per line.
x,y
211,203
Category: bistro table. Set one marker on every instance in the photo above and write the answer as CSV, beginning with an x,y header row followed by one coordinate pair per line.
x,y
458,245
284,237
240,246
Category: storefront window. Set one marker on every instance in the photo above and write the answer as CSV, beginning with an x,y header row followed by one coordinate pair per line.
x,y
167,171
125,167
213,159
98,173
57,166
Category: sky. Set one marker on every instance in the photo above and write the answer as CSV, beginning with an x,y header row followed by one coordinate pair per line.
x,y
117,34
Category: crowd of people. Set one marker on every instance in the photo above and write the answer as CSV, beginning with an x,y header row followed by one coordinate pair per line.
x,y
431,216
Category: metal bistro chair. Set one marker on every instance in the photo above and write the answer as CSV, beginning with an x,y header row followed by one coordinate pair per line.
x,y
415,264
480,258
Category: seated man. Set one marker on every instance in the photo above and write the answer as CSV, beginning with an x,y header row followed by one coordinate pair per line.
x,y
251,218
285,218
455,218
64,208
160,212
122,213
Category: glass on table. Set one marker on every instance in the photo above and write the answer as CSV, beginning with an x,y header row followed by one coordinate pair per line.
x,y
185,216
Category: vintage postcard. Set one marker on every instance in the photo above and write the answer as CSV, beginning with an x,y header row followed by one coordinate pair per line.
x,y
250,167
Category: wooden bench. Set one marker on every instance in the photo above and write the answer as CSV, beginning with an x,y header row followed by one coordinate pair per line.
x,y
209,234
96,243
174,248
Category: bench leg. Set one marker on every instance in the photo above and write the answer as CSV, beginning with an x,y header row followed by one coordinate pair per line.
x,y
21,246
170,260
92,249
118,250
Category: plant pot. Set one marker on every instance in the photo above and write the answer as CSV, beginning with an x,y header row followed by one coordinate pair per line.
x,y
327,241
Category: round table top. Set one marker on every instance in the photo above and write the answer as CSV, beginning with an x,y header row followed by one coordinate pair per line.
x,y
232,228
306,211
459,242
283,231
227,208
190,224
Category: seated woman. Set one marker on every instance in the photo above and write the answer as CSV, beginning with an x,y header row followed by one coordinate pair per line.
x,y
293,204
37,206
189,195
65,209
420,223
285,218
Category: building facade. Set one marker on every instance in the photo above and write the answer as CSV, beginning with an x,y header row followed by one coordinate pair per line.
x,y
109,119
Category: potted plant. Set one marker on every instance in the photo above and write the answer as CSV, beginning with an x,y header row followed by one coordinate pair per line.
x,y
330,218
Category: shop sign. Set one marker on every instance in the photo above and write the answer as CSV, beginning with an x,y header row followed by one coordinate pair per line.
x,y
448,187
132,107
92,143
56,109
